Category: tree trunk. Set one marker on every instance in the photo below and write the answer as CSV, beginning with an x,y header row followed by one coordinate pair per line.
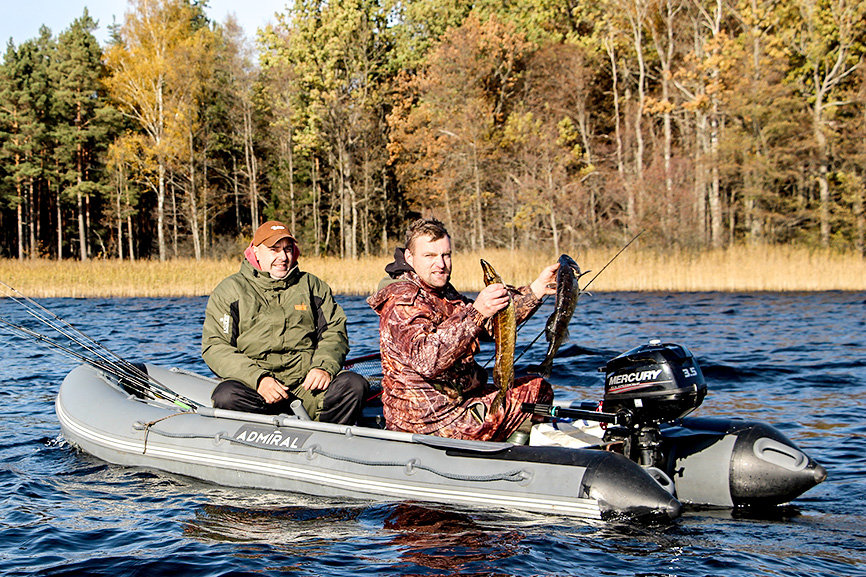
x,y
119,229
637,37
479,204
174,220
82,235
19,214
700,171
193,201
204,204
252,166
31,201
715,198
384,213
59,227
129,236
290,152
317,225
823,169
610,48
160,211
665,52
236,187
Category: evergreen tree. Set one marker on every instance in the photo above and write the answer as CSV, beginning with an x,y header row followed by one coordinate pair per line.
x,y
84,125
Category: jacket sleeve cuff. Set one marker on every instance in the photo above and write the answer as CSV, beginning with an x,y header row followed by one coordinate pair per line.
x,y
476,316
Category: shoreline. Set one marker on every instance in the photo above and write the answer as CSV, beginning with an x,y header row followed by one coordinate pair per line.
x,y
737,269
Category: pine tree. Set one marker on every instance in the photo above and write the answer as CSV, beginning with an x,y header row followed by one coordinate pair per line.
x,y
84,122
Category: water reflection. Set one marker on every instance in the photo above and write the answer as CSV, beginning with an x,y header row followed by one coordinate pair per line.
x,y
281,526
446,540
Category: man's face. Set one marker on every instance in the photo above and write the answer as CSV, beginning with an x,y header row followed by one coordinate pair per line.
x,y
276,260
431,260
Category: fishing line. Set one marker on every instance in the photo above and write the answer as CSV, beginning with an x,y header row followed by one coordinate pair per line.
x,y
579,292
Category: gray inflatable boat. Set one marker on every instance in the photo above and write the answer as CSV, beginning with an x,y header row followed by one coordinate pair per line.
x,y
646,462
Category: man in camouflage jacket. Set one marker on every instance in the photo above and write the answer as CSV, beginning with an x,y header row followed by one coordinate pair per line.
x,y
276,334
429,337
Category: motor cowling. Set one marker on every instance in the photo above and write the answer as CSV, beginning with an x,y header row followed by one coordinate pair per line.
x,y
653,383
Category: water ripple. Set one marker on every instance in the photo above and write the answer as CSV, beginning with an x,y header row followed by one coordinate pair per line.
x,y
795,360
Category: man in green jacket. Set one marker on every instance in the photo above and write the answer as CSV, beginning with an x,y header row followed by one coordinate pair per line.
x,y
275,334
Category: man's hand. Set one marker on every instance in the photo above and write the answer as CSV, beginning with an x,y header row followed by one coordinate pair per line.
x,y
317,380
545,284
492,299
272,390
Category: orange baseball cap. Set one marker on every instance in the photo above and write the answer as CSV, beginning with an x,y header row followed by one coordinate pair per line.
x,y
271,232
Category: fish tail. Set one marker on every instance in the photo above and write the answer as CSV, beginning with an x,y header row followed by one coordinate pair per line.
x,y
546,369
543,370
497,401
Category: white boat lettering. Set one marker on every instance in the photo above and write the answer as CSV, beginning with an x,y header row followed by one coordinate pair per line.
x,y
290,442
638,376
268,437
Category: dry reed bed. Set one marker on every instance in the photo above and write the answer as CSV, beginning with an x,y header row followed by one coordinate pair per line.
x,y
736,269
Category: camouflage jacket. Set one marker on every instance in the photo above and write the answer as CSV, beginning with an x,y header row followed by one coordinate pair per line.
x,y
428,340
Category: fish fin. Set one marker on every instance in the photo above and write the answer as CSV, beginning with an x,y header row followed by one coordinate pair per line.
x,y
548,329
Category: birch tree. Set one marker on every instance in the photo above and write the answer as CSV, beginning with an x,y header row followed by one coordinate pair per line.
x,y
142,65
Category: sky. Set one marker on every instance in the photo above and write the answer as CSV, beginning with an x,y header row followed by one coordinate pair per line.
x,y
21,19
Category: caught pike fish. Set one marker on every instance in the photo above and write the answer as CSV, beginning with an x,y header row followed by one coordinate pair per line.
x,y
567,293
504,336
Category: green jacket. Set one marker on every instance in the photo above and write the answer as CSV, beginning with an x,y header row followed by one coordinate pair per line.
x,y
256,326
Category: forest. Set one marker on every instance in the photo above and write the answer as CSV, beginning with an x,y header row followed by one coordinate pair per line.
x,y
521,124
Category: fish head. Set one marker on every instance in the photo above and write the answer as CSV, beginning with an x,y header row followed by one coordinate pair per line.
x,y
566,262
490,274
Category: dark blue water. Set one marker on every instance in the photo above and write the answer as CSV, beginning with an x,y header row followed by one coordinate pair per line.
x,y
797,361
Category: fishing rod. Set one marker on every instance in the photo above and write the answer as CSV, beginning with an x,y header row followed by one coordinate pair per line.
x,y
89,344
17,330
138,382
106,360
613,258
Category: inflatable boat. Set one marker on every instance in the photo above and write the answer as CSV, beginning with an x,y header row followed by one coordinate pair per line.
x,y
290,453
646,463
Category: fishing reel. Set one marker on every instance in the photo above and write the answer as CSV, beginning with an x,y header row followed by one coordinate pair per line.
x,y
646,386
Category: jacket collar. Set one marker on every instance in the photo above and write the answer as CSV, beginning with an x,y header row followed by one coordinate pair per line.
x,y
264,280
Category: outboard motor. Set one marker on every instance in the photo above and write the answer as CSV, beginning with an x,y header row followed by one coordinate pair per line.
x,y
646,386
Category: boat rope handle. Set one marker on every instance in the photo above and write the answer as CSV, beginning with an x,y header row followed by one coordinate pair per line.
x,y
515,476
147,427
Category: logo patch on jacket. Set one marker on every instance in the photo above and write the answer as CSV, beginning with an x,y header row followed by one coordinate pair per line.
x,y
301,307
224,321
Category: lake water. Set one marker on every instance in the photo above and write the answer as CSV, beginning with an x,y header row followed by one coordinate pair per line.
x,y
797,361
